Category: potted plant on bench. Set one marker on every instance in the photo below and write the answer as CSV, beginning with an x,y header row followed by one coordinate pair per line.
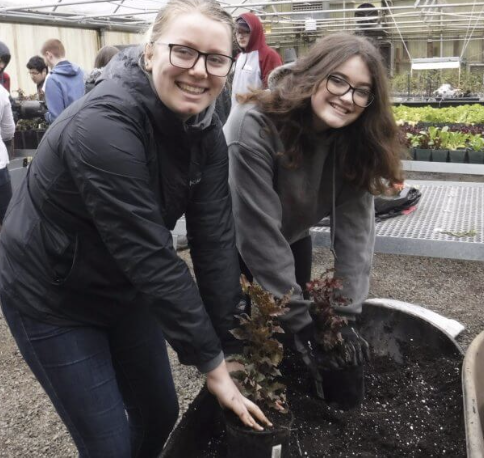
x,y
476,149
456,142
439,154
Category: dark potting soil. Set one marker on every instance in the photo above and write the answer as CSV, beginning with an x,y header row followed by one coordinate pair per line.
x,y
412,409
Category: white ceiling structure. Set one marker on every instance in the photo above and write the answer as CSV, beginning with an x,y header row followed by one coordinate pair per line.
x,y
397,19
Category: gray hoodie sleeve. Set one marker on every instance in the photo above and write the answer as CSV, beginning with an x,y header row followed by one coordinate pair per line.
x,y
354,244
258,211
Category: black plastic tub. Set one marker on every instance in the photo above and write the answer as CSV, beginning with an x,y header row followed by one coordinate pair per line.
x,y
387,330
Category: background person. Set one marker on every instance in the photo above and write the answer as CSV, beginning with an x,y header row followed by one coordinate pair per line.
x,y
7,130
320,143
4,61
105,54
66,80
38,72
90,282
257,59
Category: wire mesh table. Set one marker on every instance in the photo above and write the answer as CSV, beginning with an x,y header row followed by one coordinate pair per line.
x,y
448,223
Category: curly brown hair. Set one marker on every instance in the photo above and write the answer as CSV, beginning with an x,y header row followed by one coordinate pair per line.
x,y
368,150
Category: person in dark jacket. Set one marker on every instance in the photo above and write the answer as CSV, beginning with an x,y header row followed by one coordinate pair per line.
x,y
90,282
65,83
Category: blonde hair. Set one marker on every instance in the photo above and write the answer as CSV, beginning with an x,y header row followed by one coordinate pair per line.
x,y
209,8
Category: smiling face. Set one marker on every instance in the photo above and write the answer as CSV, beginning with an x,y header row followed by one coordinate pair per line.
x,y
336,111
188,92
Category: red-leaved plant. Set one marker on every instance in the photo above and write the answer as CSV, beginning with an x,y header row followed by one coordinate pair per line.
x,y
325,293
262,353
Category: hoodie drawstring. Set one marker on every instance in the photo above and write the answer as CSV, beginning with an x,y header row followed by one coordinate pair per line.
x,y
333,209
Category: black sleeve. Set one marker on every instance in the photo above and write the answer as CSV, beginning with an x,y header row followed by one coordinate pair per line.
x,y
104,151
211,235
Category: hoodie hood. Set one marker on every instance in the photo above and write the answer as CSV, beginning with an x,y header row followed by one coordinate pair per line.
x,y
126,68
65,68
257,38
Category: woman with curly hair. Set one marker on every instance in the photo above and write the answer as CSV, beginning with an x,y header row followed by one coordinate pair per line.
x,y
321,143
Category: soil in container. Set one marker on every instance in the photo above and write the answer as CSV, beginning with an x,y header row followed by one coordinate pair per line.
x,y
413,409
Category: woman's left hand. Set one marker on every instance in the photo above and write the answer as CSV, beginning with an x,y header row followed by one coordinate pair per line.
x,y
221,385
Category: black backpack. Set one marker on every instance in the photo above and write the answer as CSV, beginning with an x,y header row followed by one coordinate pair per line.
x,y
400,204
390,206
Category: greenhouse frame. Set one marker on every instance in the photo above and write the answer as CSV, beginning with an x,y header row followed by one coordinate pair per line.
x,y
405,30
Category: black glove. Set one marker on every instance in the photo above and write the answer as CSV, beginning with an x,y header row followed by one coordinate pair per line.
x,y
353,351
306,346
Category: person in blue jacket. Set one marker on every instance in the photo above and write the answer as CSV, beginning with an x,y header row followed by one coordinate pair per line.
x,y
65,83
90,283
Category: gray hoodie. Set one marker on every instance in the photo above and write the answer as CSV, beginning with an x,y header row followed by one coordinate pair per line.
x,y
275,206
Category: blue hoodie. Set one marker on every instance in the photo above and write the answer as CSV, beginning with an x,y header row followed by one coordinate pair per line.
x,y
64,85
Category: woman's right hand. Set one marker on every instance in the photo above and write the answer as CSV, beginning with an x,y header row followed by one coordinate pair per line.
x,y
221,385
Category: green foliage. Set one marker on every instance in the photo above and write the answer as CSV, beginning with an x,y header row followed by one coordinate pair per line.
x,y
262,352
31,124
454,140
423,81
325,293
476,143
469,233
444,138
466,114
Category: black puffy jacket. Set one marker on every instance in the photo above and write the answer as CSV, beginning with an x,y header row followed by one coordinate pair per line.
x,y
87,235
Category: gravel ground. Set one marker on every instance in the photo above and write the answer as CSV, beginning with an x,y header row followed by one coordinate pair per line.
x,y
29,426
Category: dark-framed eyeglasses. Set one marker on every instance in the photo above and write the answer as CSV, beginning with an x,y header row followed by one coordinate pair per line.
x,y
182,56
339,86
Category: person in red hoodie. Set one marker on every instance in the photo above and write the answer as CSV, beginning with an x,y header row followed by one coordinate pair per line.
x,y
257,59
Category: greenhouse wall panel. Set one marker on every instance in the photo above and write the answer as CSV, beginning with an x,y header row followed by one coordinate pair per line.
x,y
123,38
25,41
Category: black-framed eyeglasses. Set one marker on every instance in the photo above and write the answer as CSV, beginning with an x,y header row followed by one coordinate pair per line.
x,y
182,56
339,86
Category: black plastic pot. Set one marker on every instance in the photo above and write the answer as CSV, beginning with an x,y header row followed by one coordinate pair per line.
x,y
475,157
344,389
458,155
243,442
440,155
423,154
28,139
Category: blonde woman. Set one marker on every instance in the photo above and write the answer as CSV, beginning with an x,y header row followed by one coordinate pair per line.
x,y
90,283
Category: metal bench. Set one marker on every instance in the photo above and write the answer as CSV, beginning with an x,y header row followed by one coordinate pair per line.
x,y
448,223
446,211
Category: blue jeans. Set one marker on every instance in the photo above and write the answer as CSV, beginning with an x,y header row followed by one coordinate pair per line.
x,y
5,192
112,387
